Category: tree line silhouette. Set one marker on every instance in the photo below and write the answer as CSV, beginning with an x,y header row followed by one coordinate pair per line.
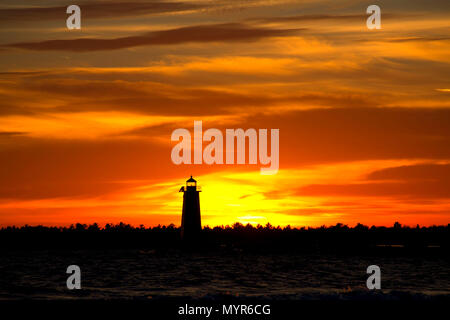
x,y
339,237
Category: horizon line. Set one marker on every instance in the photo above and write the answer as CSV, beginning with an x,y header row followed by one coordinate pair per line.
x,y
224,226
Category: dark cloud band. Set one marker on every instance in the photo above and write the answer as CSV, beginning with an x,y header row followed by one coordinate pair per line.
x,y
231,32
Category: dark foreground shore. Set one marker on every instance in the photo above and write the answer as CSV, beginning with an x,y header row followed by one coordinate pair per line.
x,y
338,238
151,272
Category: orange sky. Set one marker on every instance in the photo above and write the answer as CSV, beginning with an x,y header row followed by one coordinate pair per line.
x,y
86,115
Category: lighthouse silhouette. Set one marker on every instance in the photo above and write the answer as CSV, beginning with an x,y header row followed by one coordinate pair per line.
x,y
191,225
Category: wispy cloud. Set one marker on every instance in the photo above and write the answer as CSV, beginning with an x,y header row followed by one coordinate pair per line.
x,y
95,9
230,32
428,181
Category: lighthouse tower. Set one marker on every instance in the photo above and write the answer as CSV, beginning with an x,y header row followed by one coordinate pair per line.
x,y
191,225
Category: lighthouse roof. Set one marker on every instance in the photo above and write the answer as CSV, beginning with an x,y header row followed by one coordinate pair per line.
x,y
191,180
